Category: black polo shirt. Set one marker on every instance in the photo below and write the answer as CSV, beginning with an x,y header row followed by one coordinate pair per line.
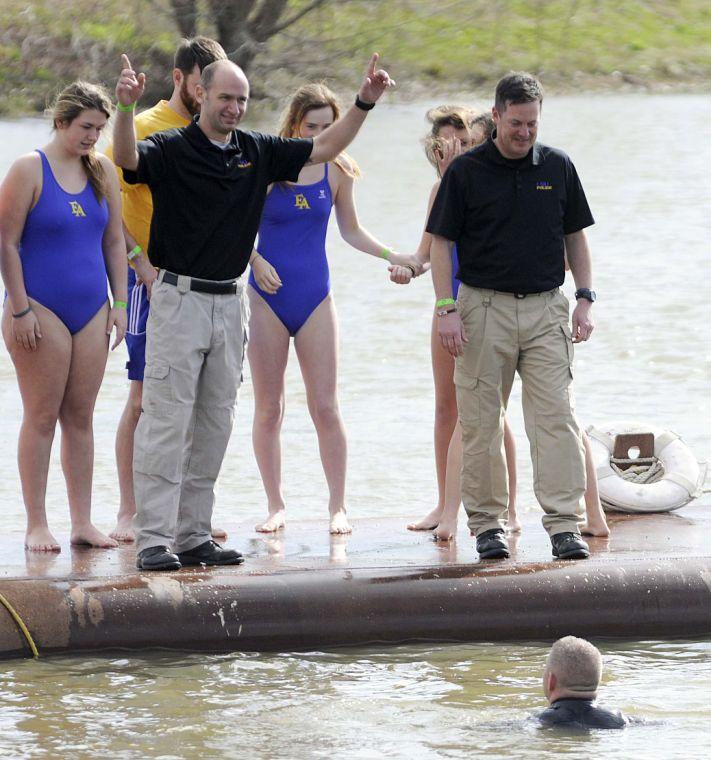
x,y
509,217
207,202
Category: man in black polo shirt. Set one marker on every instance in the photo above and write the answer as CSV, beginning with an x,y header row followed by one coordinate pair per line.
x,y
514,207
208,181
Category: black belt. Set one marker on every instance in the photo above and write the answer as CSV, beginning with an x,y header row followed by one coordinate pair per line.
x,y
204,286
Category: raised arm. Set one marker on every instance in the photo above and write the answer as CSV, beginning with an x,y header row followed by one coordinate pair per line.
x,y
340,134
580,262
129,89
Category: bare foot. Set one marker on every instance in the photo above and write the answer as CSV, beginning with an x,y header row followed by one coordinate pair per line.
x,y
123,532
513,525
339,523
92,536
41,540
595,529
220,533
273,523
428,522
446,530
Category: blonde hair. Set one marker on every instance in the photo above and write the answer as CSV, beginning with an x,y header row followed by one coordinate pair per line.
x,y
307,98
576,664
459,117
71,102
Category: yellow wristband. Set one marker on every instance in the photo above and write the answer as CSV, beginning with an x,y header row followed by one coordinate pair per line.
x,y
126,109
120,305
386,253
137,251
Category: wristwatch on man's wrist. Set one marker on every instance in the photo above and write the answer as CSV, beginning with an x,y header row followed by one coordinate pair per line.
x,y
586,293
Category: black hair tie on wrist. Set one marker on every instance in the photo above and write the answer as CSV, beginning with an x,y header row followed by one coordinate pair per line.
x,y
22,313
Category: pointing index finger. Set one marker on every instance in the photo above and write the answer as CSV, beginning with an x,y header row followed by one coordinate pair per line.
x,y
371,64
126,63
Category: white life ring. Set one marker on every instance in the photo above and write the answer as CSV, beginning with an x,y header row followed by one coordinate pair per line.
x,y
682,481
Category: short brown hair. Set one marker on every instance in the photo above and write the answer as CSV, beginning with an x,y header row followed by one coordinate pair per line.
x,y
197,51
517,87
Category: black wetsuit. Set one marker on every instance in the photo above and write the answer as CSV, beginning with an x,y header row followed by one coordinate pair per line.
x,y
581,713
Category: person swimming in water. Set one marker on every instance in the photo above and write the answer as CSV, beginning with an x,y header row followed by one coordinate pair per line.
x,y
571,680
60,225
290,297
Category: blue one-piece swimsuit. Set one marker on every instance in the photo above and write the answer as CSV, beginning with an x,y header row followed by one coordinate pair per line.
x,y
292,238
62,251
455,271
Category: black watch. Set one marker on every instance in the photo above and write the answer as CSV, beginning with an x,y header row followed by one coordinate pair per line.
x,y
586,293
363,105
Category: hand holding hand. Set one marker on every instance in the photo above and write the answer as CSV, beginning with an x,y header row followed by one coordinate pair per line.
x,y
130,85
400,275
265,275
375,82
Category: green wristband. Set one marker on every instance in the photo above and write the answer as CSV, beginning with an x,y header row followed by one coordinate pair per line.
x,y
445,302
137,251
126,109
120,305
386,253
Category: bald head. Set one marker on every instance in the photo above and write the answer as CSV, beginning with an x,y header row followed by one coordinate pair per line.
x,y
573,669
223,70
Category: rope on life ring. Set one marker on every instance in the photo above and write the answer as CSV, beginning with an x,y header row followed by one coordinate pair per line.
x,y
641,470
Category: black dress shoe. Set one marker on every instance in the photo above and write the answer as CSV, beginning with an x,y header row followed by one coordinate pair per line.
x,y
157,558
492,544
569,546
210,553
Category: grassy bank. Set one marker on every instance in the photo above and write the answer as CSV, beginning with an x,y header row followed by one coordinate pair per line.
x,y
445,45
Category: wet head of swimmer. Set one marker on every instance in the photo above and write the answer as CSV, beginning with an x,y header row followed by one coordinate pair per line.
x,y
79,116
453,122
516,114
191,57
223,94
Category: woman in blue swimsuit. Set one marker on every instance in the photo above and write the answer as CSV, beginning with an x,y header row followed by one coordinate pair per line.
x,y
290,297
61,234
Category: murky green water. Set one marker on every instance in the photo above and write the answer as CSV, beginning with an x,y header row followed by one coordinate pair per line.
x,y
644,163
405,702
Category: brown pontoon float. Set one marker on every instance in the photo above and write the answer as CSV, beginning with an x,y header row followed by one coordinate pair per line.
x,y
382,585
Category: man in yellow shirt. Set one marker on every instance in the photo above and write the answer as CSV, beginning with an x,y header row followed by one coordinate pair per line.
x,y
191,57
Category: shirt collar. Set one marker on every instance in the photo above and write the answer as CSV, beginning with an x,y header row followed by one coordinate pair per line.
x,y
533,158
195,134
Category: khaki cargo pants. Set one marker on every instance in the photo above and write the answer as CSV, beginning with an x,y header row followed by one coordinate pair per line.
x,y
530,336
194,354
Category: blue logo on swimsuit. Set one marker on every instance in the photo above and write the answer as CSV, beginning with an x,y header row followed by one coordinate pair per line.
x,y
543,185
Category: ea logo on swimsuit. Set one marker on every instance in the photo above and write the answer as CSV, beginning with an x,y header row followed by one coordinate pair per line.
x,y
543,185
301,202
77,210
